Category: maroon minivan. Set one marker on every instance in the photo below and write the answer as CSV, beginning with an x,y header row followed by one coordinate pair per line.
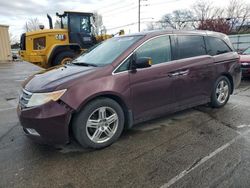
x,y
245,62
127,80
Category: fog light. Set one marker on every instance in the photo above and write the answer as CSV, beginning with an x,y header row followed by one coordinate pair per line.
x,y
32,132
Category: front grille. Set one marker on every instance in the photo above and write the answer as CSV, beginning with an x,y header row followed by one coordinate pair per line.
x,y
24,98
22,42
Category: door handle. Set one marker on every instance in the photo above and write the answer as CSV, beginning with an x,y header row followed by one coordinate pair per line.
x,y
174,74
179,73
183,73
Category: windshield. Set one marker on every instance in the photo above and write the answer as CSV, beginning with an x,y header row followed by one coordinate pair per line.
x,y
107,51
247,51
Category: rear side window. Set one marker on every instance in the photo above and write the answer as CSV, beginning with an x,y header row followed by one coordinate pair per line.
x,y
190,46
216,46
159,49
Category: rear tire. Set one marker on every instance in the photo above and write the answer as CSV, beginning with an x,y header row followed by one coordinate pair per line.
x,y
99,124
221,92
63,57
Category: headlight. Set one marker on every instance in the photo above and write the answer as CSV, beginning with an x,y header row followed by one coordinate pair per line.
x,y
42,98
245,63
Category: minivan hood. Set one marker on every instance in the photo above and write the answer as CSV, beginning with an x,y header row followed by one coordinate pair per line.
x,y
50,79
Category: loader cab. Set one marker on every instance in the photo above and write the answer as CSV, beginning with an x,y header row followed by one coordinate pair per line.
x,y
79,27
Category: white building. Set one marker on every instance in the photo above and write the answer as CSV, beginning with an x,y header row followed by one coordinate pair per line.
x,y
5,48
241,41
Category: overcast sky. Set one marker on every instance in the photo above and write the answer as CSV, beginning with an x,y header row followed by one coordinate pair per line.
x,y
115,13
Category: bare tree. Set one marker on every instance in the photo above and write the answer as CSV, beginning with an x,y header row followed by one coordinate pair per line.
x,y
178,19
219,25
32,25
153,26
150,26
57,24
235,16
98,24
167,21
205,16
237,13
204,11
13,39
209,17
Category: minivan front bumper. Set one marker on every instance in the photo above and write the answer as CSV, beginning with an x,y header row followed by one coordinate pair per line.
x,y
46,124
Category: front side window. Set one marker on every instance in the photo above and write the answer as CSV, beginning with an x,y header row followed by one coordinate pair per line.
x,y
216,46
190,46
159,49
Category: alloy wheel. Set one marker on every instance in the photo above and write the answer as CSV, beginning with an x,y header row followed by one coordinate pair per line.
x,y
102,124
222,91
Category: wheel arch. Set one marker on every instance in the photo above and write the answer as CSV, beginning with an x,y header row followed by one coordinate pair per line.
x,y
230,78
127,111
60,48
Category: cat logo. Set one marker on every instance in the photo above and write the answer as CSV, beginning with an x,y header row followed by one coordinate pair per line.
x,y
60,37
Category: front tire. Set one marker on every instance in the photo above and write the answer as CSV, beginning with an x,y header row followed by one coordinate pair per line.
x,y
221,92
99,124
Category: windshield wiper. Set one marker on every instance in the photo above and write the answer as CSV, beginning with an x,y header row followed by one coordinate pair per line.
x,y
84,64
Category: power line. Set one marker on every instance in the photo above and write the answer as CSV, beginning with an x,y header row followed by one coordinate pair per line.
x,y
129,24
110,5
125,10
162,21
133,23
118,11
160,3
117,8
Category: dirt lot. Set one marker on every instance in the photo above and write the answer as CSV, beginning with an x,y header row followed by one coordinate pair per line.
x,y
198,147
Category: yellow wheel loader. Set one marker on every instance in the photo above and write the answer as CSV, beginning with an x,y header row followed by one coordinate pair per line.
x,y
50,47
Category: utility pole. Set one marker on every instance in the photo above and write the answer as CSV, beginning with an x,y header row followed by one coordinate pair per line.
x,y
139,15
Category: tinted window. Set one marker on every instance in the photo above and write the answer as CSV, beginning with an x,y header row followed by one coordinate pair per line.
x,y
216,46
191,46
158,49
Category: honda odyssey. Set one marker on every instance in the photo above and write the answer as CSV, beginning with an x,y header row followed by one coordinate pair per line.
x,y
126,80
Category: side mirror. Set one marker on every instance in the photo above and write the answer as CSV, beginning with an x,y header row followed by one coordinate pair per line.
x,y
143,62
